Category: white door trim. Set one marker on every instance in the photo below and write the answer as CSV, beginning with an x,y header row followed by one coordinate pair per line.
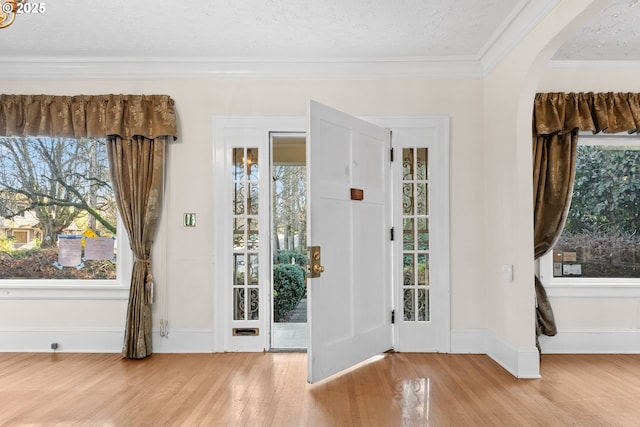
x,y
254,130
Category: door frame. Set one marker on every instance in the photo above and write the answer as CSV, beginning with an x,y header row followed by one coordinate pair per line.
x,y
255,131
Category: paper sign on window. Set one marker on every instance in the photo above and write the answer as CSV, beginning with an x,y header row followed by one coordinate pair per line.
x,y
99,248
69,252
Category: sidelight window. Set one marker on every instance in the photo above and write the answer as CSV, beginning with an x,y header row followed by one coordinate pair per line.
x,y
415,234
246,238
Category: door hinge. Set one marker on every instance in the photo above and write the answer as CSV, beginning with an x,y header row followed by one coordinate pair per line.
x,y
392,233
393,316
391,145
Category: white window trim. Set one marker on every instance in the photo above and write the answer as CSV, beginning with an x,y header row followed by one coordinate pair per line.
x,y
117,289
585,286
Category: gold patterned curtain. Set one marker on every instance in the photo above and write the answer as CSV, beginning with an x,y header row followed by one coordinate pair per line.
x,y
137,173
137,128
80,116
557,118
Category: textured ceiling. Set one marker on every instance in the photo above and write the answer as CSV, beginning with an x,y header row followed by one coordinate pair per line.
x,y
612,35
438,31
258,28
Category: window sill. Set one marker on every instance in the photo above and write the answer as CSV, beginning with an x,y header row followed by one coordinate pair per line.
x,y
64,292
585,287
593,288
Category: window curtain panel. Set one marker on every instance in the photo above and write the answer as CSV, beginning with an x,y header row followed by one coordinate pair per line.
x,y
137,128
557,119
137,174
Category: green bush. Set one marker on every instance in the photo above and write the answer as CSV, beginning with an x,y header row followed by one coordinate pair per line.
x,y
239,278
284,257
605,191
288,289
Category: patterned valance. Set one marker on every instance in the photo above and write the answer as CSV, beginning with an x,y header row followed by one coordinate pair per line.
x,y
586,111
150,116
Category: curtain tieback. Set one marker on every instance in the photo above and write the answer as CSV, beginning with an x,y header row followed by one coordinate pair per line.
x,y
148,281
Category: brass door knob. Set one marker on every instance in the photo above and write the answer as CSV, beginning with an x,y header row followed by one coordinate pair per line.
x,y
315,266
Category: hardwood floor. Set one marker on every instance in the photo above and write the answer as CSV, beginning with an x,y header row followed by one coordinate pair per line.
x,y
270,389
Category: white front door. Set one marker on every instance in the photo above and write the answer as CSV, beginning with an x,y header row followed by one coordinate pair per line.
x,y
349,220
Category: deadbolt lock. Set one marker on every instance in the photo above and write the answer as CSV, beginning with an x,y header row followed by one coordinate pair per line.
x,y
315,266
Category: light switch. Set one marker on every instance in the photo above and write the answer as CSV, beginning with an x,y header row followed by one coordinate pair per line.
x,y
189,219
507,272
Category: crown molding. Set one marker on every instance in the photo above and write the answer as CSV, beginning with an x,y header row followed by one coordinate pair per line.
x,y
72,68
524,18
594,64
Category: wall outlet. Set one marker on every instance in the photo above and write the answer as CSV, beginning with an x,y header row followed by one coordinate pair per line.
x,y
54,346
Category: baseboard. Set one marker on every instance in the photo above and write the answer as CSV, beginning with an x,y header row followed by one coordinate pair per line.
x,y
184,341
592,342
521,362
69,340
74,340
469,341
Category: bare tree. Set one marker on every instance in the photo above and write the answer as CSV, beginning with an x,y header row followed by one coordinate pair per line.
x,y
290,212
60,180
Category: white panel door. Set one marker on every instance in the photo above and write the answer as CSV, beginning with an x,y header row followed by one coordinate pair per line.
x,y
349,305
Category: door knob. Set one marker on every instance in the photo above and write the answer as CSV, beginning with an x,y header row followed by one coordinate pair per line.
x,y
315,266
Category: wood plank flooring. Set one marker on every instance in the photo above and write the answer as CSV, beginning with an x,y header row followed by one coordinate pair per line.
x,y
270,389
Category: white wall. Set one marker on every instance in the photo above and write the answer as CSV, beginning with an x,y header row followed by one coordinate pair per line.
x,y
584,77
183,261
509,93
